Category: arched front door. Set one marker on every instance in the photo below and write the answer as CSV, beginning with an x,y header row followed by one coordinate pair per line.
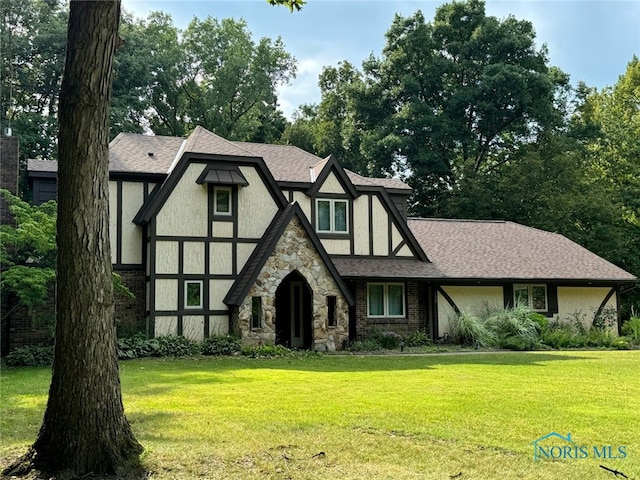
x,y
294,312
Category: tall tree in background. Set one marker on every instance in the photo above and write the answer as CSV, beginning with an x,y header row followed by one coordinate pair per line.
x,y
33,37
330,127
454,98
212,74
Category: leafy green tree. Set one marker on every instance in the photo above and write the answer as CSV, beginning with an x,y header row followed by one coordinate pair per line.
x,y
454,98
28,252
33,38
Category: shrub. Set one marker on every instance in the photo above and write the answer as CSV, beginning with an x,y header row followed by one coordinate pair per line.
x,y
224,345
368,345
31,356
631,328
174,346
417,339
468,329
621,343
387,340
136,346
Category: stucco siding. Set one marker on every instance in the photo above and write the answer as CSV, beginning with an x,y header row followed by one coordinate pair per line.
x,y
222,229
361,225
132,199
243,252
185,212
166,294
256,207
380,229
582,302
337,247
193,327
166,326
167,257
472,299
304,202
405,251
220,259
193,258
331,185
218,289
218,325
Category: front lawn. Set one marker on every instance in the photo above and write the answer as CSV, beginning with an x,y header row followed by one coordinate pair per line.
x,y
365,417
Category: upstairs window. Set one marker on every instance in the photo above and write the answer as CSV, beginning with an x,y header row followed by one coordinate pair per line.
x,y
532,296
222,200
385,300
332,215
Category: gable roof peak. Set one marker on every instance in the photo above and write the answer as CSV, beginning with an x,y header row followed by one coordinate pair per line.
x,y
202,140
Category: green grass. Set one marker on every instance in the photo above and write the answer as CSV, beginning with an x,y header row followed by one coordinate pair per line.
x,y
382,417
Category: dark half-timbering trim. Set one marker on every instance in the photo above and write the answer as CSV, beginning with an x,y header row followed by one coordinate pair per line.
x,y
449,300
119,189
607,297
334,166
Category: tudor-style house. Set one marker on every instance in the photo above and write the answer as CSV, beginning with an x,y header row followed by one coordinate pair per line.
x,y
276,245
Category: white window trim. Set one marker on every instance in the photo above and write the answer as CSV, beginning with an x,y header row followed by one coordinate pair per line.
x,y
215,201
332,215
186,289
385,300
529,287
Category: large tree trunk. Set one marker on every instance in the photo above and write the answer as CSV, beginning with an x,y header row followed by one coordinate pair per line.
x,y
84,428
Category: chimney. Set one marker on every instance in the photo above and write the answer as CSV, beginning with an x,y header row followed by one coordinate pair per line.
x,y
9,168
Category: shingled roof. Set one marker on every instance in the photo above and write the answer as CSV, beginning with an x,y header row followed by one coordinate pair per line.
x,y
468,249
155,154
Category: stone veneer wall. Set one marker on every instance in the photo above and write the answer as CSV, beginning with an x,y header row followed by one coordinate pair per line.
x,y
415,320
294,251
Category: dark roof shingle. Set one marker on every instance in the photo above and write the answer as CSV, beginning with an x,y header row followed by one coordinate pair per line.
x,y
468,249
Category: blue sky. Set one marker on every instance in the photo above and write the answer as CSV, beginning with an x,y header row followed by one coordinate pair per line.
x,y
592,40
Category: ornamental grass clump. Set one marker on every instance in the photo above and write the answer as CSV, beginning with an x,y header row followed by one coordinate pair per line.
x,y
514,328
470,330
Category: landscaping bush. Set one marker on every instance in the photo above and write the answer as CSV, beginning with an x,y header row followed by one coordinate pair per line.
x,y
174,346
224,345
387,340
417,339
368,345
631,328
31,356
621,343
136,346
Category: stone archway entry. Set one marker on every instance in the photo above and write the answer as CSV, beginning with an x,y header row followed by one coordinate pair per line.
x,y
294,312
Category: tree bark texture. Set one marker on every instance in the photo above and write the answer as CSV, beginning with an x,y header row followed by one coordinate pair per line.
x,y
84,428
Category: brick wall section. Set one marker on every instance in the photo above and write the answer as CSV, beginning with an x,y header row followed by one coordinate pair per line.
x,y
130,314
9,167
30,326
416,318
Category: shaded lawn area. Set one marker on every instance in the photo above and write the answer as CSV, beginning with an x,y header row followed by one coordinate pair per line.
x,y
392,417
